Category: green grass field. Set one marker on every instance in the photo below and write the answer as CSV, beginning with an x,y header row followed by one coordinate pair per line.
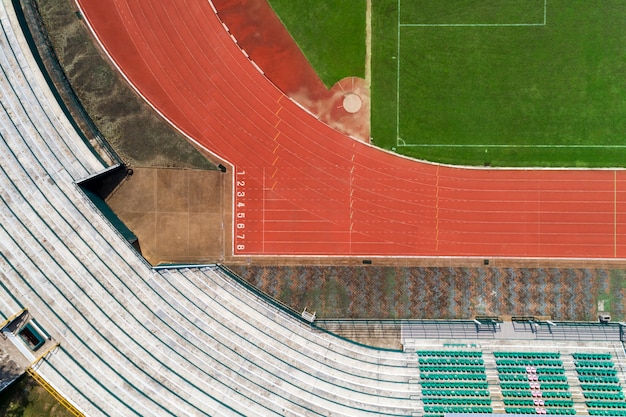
x,y
504,82
331,33
498,82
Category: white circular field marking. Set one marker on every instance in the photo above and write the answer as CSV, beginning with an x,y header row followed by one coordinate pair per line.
x,y
352,103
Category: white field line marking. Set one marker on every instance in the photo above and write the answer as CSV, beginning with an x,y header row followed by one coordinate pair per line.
x,y
545,13
467,145
368,43
469,24
398,79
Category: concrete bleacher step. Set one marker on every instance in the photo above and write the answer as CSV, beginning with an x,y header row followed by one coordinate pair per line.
x,y
39,101
377,383
574,384
495,392
299,338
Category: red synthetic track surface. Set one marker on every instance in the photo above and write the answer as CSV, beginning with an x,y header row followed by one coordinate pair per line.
x,y
305,189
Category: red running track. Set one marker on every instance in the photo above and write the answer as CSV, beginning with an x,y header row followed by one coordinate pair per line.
x,y
305,189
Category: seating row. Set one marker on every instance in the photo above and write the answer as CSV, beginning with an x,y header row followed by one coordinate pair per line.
x,y
611,413
526,377
527,355
529,362
601,387
539,410
586,379
452,377
447,369
530,370
596,371
453,385
450,361
450,353
526,386
606,404
594,364
452,409
538,402
542,394
598,395
592,356
454,393
457,401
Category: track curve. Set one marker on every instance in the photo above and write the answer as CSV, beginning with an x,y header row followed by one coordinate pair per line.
x,y
303,188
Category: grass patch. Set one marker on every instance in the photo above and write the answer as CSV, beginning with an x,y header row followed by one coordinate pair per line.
x,y
617,295
26,398
508,95
330,33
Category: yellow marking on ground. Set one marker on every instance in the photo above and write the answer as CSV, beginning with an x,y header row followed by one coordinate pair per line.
x,y
13,317
275,160
274,185
65,403
40,357
276,137
276,148
275,172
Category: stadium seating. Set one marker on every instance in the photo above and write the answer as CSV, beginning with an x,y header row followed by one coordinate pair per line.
x,y
534,383
600,384
460,381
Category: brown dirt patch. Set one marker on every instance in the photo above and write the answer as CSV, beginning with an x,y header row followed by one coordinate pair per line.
x,y
176,214
264,38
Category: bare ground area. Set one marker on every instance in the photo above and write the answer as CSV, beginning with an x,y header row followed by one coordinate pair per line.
x,y
176,213
135,131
